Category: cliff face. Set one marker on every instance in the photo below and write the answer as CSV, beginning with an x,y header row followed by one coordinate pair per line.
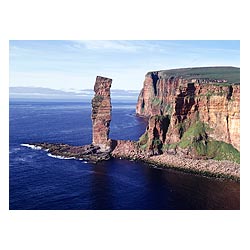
x,y
101,113
186,101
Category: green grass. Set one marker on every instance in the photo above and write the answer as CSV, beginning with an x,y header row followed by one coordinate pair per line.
x,y
168,109
223,151
167,146
158,118
195,132
143,140
156,101
143,146
231,74
196,138
156,142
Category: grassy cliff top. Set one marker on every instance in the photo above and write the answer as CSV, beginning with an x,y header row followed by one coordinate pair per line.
x,y
230,74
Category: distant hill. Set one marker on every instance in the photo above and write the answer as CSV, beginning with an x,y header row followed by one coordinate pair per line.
x,y
39,93
230,74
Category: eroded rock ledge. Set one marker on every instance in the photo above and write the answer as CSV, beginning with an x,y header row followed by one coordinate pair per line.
x,y
90,153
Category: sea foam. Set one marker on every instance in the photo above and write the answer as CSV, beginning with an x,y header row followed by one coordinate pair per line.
x,y
60,157
50,155
31,146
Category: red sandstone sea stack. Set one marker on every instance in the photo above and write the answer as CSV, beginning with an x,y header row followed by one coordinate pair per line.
x,y
101,113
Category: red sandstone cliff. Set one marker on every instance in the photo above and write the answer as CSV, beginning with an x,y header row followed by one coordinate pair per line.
x,y
186,100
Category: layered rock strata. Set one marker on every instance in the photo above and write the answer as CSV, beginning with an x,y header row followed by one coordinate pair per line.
x,y
101,113
190,102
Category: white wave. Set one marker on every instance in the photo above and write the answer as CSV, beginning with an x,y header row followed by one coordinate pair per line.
x,y
66,158
60,157
31,146
50,155
81,159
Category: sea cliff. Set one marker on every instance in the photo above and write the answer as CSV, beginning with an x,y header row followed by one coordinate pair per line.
x,y
193,112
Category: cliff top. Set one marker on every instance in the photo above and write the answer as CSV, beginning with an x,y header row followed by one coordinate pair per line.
x,y
215,74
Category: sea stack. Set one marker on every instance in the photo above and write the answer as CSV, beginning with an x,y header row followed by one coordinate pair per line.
x,y
101,113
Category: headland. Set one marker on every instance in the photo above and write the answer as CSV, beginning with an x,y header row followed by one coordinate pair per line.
x,y
193,123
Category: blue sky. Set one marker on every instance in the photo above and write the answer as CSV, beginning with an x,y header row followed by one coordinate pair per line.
x,y
73,64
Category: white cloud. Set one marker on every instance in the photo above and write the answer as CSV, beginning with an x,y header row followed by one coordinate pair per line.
x,y
75,64
127,46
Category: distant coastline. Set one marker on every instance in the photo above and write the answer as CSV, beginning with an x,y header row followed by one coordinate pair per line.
x,y
85,95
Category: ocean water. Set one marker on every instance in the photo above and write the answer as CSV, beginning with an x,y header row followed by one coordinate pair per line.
x,y
38,181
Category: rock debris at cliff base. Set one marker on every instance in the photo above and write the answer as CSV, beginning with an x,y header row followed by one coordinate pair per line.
x,y
131,150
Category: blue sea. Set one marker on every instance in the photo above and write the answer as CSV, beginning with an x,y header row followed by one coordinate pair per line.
x,y
40,182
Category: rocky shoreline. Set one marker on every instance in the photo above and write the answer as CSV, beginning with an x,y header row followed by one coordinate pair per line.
x,y
89,153
209,168
213,168
128,150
